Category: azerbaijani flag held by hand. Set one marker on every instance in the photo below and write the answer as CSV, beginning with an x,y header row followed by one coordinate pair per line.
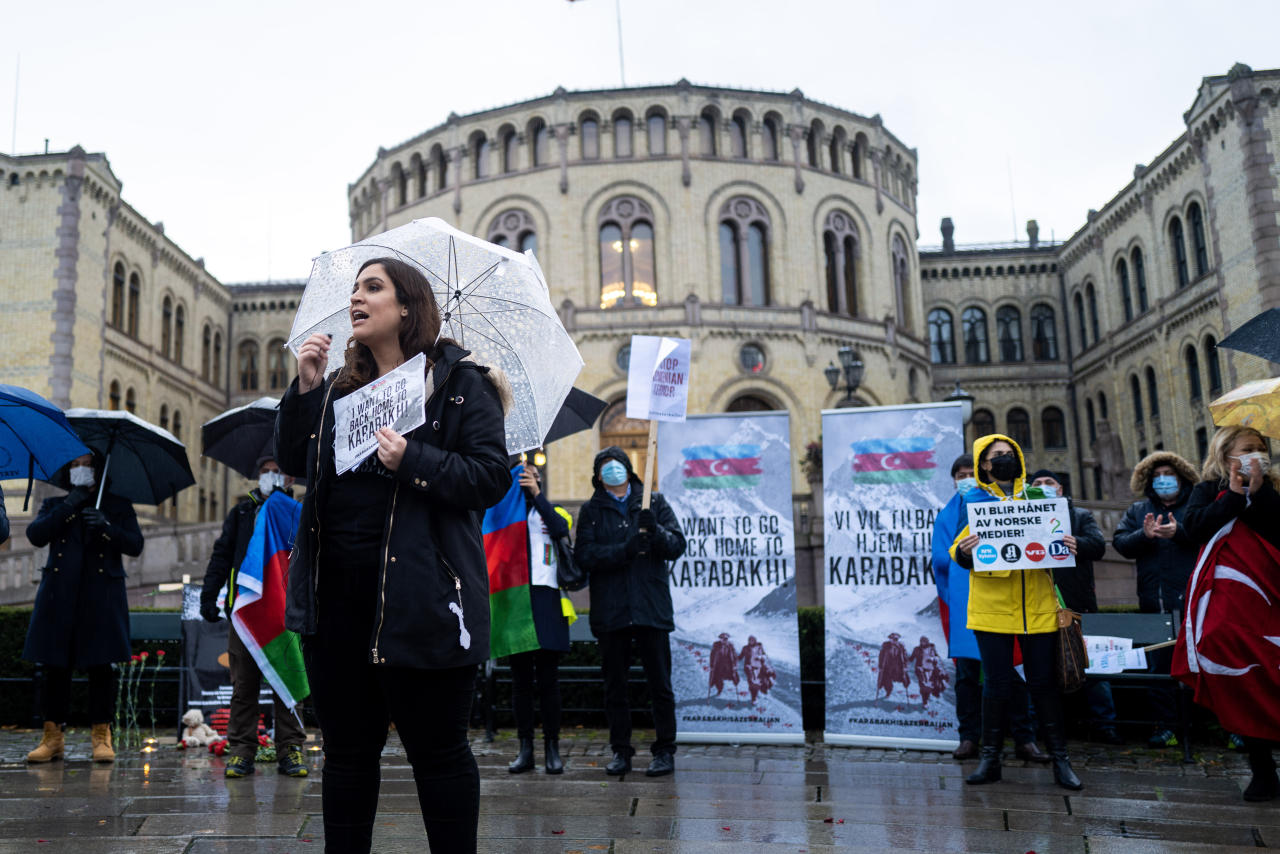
x,y
258,613
506,551
904,460
721,466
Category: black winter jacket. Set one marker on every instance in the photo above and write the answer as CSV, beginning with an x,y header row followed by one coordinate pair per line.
x,y
1207,512
627,591
229,551
4,520
454,467
1076,583
1163,565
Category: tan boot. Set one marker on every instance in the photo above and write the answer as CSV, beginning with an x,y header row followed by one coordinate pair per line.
x,y
50,747
102,751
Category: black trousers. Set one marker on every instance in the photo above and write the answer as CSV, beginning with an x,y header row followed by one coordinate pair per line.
x,y
242,725
546,663
997,662
969,704
654,646
102,694
1161,701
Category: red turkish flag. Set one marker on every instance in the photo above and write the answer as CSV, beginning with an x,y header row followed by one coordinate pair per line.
x,y
1229,649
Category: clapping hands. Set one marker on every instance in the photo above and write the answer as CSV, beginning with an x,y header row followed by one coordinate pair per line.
x,y
1161,527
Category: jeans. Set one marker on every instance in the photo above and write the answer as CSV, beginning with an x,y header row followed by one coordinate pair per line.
x,y
969,704
1102,707
102,698
654,646
546,662
242,724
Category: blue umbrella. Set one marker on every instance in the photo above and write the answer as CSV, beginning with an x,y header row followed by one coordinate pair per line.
x,y
35,438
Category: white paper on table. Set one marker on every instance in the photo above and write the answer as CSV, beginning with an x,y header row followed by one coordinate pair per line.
x,y
1117,660
397,400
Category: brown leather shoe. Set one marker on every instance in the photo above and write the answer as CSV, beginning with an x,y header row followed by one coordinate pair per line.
x,y
1031,752
966,750
50,746
101,737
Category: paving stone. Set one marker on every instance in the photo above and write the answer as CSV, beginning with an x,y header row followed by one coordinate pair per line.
x,y
221,824
96,845
1120,845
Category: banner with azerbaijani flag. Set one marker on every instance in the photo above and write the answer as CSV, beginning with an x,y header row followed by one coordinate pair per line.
x,y
506,549
886,474
735,651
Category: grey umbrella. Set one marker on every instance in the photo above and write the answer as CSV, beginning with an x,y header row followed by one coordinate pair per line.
x,y
1259,336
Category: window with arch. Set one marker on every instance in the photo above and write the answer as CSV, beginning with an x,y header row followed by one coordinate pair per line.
x,y
744,252
913,384
248,364
1044,334
1135,392
1102,406
166,326
1126,301
842,248
113,395
813,144
177,425
514,229
1091,297
418,169
901,280
589,137
510,150
1139,278
622,142
206,346
738,136
117,296
1153,396
859,155
627,269
984,423
480,154
440,166
836,151
1019,425
974,323
631,435
1192,362
769,138
1092,421
131,400
942,345
400,179
164,416
1009,333
707,133
1179,246
277,366
1080,321
1211,361
540,133
1199,247
656,131
135,296
749,403
217,358
179,333
1053,426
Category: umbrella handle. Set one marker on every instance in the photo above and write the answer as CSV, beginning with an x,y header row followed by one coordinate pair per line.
x,y
103,485
31,476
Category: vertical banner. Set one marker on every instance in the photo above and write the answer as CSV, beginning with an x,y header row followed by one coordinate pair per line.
x,y
886,474
735,651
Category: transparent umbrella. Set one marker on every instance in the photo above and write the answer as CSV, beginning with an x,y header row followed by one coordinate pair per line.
x,y
493,301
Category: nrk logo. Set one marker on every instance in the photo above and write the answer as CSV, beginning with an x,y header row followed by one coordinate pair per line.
x,y
1010,552
1058,550
986,553
1035,552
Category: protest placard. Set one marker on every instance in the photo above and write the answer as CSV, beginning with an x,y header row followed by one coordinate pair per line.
x,y
396,400
658,378
1020,534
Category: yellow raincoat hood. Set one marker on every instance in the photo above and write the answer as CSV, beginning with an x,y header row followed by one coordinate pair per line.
x,y
1019,483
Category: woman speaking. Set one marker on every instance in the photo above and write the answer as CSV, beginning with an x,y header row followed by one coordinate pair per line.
x,y
387,582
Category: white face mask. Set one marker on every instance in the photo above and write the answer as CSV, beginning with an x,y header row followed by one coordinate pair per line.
x,y
1248,461
269,481
1049,491
81,475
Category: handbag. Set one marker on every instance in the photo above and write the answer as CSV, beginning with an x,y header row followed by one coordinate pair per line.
x,y
1072,659
569,575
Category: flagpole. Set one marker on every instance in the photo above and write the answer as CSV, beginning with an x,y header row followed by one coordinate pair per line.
x,y
622,70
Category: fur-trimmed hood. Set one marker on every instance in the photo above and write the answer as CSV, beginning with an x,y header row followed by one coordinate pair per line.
x,y
498,378
1140,483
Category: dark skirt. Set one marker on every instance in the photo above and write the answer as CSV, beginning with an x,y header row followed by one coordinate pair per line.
x,y
549,620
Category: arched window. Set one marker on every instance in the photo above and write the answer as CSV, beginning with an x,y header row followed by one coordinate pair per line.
x,y
206,343
749,403
901,281
248,357
440,166
627,269
1080,321
510,150
1139,278
841,244
135,296
1093,423
1044,334
401,181
589,137
1198,244
622,144
1215,370
707,133
131,400
277,367
1020,427
480,154
1153,396
738,137
630,435
769,138
1054,427
113,396
1091,297
744,256
177,425
656,125
984,423
166,326
418,168
942,345
164,416
1122,273
217,358
1179,246
117,296
974,323
859,155
1102,406
1135,391
1193,371
1009,333
836,150
813,145
514,229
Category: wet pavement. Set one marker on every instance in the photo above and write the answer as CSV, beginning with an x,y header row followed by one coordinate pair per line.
x,y
739,800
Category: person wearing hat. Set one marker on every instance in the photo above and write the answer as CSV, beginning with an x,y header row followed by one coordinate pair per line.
x,y
724,665
246,677
625,550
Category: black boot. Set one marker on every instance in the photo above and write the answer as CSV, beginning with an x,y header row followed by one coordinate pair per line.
x,y
524,759
554,764
1265,785
993,713
1049,711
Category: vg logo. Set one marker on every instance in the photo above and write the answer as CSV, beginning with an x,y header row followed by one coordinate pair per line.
x,y
986,553
1058,550
1035,552
1010,552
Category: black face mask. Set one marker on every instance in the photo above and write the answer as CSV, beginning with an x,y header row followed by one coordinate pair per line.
x,y
1005,468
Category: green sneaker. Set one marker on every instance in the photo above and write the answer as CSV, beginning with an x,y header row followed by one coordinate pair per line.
x,y
239,766
1234,742
291,763
1162,738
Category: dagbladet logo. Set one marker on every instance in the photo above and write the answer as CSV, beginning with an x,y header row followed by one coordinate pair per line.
x,y
1058,550
1035,552
1010,552
986,553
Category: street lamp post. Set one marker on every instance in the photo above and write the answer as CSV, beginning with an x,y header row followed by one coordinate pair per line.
x,y
966,402
850,370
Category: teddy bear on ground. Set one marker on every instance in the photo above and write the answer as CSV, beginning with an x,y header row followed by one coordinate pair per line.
x,y
197,733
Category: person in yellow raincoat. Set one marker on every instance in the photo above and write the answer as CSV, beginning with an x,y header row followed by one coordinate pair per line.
x,y
1007,606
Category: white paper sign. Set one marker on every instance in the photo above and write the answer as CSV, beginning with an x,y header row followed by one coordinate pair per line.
x,y
1020,534
1118,660
658,378
396,400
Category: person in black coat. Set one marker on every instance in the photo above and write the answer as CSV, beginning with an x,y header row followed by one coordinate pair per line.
x,y
625,551
81,615
388,584
1153,534
4,520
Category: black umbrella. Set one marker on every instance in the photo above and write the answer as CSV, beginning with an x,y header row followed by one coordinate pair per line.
x,y
1259,337
578,412
145,463
239,437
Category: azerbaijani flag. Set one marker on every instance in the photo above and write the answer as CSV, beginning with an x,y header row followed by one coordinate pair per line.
x,y
258,613
506,551
721,466
904,460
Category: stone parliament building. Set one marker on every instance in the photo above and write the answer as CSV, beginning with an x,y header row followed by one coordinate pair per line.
x,y
771,229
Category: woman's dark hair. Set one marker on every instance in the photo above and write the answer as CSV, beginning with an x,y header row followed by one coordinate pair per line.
x,y
418,329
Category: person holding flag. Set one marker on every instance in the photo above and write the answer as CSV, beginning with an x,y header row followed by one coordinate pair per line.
x,y
225,562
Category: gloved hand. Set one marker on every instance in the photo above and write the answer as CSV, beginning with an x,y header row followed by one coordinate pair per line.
x,y
78,497
639,544
646,520
95,519
209,610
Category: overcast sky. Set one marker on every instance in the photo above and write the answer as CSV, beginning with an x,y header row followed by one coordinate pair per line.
x,y
240,124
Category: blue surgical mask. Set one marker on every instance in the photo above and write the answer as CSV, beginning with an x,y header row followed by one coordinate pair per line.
x,y
1048,491
1165,485
613,473
965,484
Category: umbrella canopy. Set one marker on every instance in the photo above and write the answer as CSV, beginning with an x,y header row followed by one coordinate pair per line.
x,y
145,463
579,412
239,437
1255,404
493,301
35,438
1259,337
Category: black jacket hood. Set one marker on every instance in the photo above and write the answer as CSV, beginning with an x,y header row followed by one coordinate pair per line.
x,y
613,452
